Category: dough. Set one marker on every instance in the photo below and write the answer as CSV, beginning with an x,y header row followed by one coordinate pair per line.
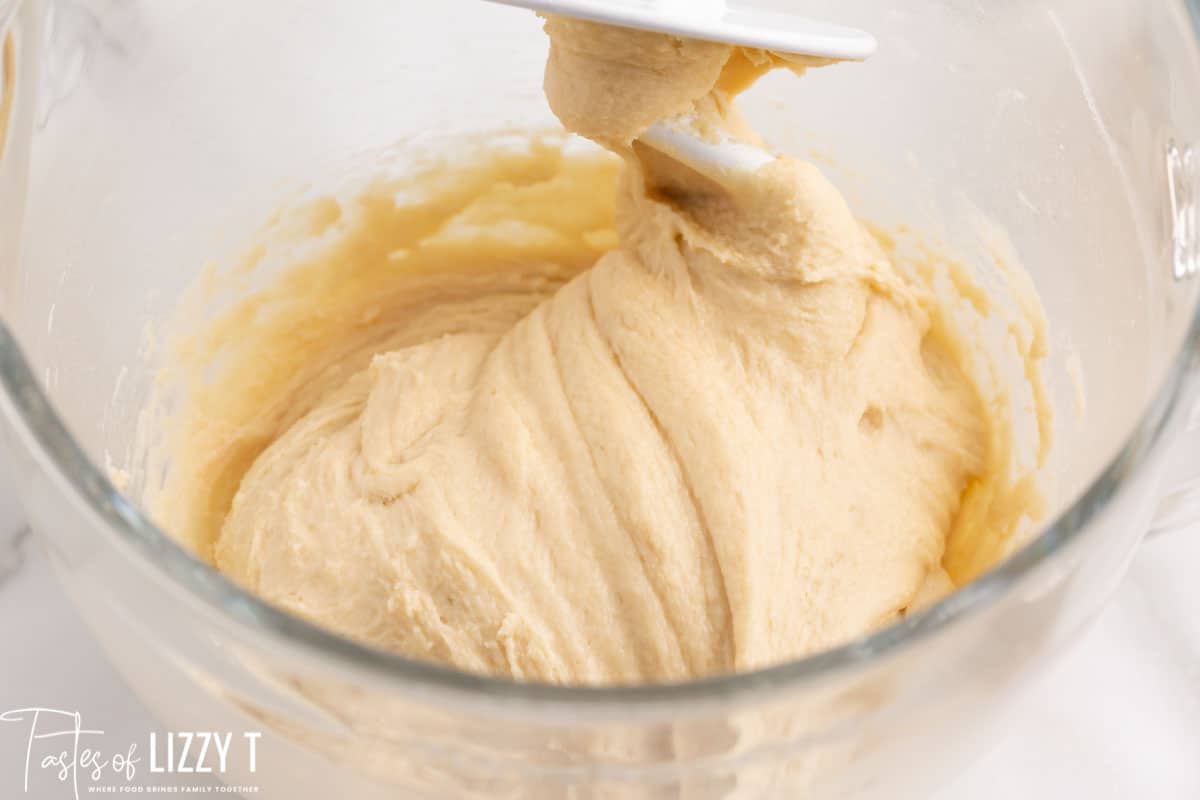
x,y
740,437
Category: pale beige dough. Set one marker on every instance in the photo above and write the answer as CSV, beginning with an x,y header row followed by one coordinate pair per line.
x,y
741,437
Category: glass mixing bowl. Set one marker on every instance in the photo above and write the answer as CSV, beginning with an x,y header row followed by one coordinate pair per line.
x,y
140,138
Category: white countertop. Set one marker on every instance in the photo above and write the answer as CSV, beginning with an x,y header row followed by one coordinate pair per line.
x,y
1117,717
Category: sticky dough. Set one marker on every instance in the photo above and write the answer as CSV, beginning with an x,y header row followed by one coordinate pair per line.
x,y
737,437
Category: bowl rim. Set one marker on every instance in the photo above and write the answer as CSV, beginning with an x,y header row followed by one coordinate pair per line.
x,y
37,426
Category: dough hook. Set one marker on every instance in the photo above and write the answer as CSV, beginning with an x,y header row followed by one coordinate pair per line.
x,y
736,23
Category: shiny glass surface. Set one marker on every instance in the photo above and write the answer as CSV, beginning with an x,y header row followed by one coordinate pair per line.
x,y
145,138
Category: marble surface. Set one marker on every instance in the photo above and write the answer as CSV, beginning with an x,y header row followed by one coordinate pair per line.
x,y
1117,717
